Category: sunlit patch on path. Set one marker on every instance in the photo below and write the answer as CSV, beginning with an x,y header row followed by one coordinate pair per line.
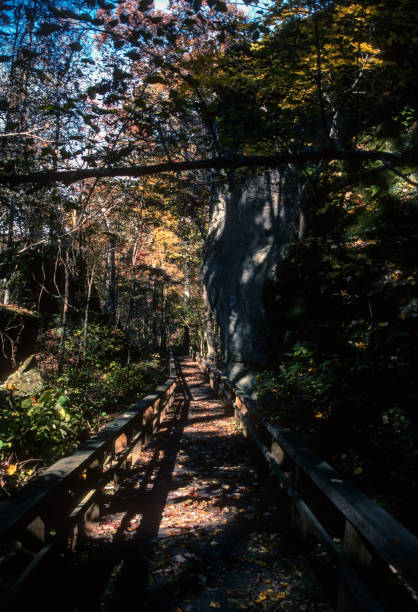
x,y
195,525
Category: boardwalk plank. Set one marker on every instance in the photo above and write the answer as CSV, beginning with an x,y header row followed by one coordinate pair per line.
x,y
195,525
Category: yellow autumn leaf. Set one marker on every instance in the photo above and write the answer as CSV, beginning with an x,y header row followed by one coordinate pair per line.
x,y
214,604
11,469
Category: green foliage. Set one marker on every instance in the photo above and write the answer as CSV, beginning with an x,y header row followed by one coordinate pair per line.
x,y
92,389
343,314
96,379
120,381
299,392
46,425
103,344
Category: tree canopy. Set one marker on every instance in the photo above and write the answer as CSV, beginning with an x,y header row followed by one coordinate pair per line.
x,y
95,84
120,123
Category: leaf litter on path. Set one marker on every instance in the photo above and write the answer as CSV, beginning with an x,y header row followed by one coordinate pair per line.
x,y
195,524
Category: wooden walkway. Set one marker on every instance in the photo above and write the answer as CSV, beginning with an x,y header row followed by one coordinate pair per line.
x,y
195,526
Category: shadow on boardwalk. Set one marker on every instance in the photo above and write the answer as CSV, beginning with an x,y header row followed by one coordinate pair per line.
x,y
195,525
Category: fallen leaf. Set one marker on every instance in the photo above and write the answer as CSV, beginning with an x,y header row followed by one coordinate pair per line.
x,y
214,604
262,598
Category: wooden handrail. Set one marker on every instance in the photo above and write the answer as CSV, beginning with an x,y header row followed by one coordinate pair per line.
x,y
377,559
62,498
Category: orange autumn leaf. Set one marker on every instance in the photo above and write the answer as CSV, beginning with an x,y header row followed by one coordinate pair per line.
x,y
262,598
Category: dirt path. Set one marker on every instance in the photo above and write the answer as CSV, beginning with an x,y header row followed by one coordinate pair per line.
x,y
194,526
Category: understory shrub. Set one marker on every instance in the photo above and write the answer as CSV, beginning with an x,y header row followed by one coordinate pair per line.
x,y
343,317
93,388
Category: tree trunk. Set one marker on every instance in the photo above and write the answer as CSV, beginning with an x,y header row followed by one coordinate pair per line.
x,y
209,333
86,311
163,326
155,315
64,313
186,295
111,281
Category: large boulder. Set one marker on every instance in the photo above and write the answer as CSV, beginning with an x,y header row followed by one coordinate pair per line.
x,y
249,229
26,380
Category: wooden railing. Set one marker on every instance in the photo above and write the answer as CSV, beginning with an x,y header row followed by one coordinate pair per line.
x,y
372,556
61,504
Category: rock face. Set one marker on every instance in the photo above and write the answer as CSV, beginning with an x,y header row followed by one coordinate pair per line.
x,y
248,232
26,380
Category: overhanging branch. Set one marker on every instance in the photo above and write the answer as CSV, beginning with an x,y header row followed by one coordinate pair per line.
x,y
403,176
220,163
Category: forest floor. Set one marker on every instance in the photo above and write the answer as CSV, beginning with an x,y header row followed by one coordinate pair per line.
x,y
195,525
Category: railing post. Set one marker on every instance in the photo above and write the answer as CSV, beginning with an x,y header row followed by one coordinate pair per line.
x,y
95,469
136,449
241,409
156,415
277,452
170,400
147,424
359,555
119,445
36,530
211,380
237,406
88,520
89,517
299,520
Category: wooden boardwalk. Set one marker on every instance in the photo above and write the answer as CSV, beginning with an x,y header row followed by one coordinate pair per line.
x,y
195,526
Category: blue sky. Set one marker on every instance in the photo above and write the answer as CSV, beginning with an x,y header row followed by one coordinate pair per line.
x,y
163,5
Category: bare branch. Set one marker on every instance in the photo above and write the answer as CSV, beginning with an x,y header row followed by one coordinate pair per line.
x,y
27,134
49,177
403,176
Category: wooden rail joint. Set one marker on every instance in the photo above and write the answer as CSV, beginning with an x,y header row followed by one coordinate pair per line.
x,y
376,557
